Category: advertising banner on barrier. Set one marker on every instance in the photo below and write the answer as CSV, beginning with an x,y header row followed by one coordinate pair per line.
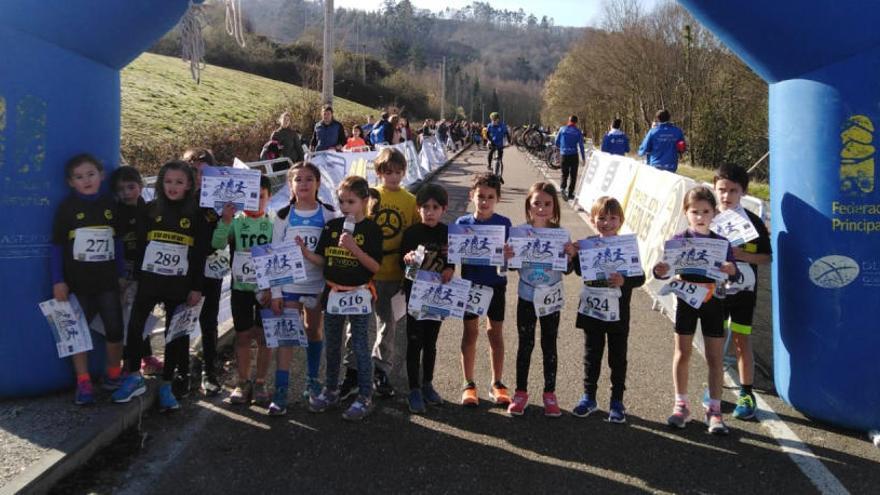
x,y
653,213
606,175
433,154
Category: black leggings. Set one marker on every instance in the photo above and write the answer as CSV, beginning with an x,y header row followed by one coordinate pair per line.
x,y
570,165
107,305
421,348
526,321
594,343
492,150
208,322
176,351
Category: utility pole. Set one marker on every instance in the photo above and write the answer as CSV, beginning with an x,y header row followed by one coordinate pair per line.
x,y
443,90
327,78
364,64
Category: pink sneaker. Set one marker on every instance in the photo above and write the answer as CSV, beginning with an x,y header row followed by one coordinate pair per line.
x,y
518,404
151,365
551,407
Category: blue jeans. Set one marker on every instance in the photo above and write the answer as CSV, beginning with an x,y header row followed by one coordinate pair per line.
x,y
334,329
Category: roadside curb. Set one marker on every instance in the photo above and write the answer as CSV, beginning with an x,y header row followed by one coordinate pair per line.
x,y
105,428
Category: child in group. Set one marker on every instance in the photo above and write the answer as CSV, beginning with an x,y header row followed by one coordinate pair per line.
x,y
606,217
395,212
731,184
127,183
172,243
242,232
301,222
349,249
699,208
485,194
356,141
421,343
212,283
91,274
542,211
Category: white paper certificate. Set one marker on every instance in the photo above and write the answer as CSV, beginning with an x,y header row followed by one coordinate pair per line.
x,y
696,256
184,320
221,185
278,265
68,324
734,227
544,248
476,244
601,256
431,299
284,330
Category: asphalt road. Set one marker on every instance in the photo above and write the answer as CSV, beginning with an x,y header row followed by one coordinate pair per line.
x,y
213,447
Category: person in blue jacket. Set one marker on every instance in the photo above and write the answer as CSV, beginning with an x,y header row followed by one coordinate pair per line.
x,y
663,143
367,128
329,133
569,140
381,132
496,132
615,141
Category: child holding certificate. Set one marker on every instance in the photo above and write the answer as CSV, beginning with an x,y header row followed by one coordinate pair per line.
x,y
699,208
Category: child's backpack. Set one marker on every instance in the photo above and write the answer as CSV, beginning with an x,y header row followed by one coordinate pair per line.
x,y
271,150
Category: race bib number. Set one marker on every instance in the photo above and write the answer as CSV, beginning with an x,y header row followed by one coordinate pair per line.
x,y
548,299
309,235
745,280
601,303
355,302
217,265
93,244
243,268
690,293
164,258
284,330
278,265
479,299
68,325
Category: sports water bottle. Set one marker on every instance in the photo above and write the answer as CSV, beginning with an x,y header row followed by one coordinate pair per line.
x,y
413,268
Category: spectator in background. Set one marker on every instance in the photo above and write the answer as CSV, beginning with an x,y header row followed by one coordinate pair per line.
x,y
394,125
406,132
570,140
663,143
382,131
356,141
329,133
443,132
615,141
367,128
289,141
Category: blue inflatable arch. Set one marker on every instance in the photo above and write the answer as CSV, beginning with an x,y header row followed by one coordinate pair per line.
x,y
59,96
822,62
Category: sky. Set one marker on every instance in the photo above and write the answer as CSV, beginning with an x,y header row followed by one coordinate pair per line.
x,y
578,13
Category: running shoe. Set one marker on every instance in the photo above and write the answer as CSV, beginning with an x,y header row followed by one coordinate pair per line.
x,y
416,401
586,406
312,389
745,407
180,386
111,384
167,401
518,406
323,401
151,365
616,412
431,396
499,394
261,395
469,396
210,386
241,394
85,395
132,386
278,407
359,409
715,423
681,414
382,385
349,385
551,405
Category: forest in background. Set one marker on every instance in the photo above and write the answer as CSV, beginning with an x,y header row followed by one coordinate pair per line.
x,y
644,60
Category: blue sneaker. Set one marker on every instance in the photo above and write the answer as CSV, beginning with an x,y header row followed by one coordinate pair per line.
x,y
323,401
167,401
313,388
416,402
278,407
585,407
745,407
430,395
132,386
616,412
359,409
84,394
